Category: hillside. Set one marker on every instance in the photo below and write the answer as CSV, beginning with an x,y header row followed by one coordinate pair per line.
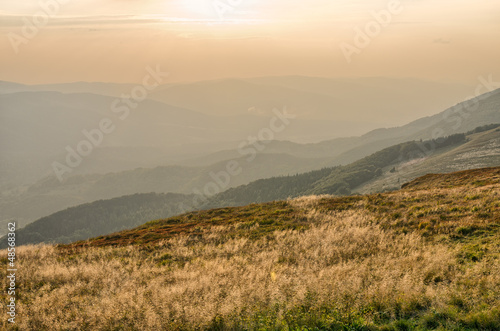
x,y
341,180
29,123
381,171
399,208
48,196
471,178
482,150
460,118
425,257
99,217
92,181
81,106
376,173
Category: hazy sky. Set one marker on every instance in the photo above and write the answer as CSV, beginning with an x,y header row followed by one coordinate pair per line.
x,y
114,40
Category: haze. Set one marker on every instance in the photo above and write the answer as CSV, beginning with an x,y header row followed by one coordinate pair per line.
x,y
113,40
341,68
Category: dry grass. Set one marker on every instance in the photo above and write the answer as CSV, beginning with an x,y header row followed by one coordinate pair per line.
x,y
418,259
344,271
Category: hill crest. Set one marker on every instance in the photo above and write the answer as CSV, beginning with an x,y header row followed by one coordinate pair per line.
x,y
432,204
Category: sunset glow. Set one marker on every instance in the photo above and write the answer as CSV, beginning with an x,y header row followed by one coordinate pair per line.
x,y
243,37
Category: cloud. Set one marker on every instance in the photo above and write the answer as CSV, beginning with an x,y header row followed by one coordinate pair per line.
x,y
17,20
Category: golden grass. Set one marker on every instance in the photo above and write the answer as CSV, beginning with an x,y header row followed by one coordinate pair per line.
x,y
344,270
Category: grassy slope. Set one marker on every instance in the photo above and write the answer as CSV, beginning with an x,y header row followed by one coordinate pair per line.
x,y
98,218
442,206
76,223
425,257
482,150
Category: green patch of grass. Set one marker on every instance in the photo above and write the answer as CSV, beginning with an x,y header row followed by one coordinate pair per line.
x,y
466,230
471,253
171,260
483,320
396,216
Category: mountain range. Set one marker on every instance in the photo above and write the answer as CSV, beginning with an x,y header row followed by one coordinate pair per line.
x,y
182,140
384,170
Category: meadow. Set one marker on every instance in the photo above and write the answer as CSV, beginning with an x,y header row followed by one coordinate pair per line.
x,y
423,258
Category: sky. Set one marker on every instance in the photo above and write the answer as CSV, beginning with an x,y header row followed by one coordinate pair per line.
x,y
115,40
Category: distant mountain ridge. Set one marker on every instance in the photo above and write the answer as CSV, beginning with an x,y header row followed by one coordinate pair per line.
x,y
341,180
49,195
460,118
404,161
296,158
99,217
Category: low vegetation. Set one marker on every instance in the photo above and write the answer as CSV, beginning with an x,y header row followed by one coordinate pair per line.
x,y
423,258
484,128
106,216
100,217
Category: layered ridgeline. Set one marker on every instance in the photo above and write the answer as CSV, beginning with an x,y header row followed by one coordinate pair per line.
x,y
383,170
312,96
426,257
49,195
398,163
461,118
222,113
481,150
